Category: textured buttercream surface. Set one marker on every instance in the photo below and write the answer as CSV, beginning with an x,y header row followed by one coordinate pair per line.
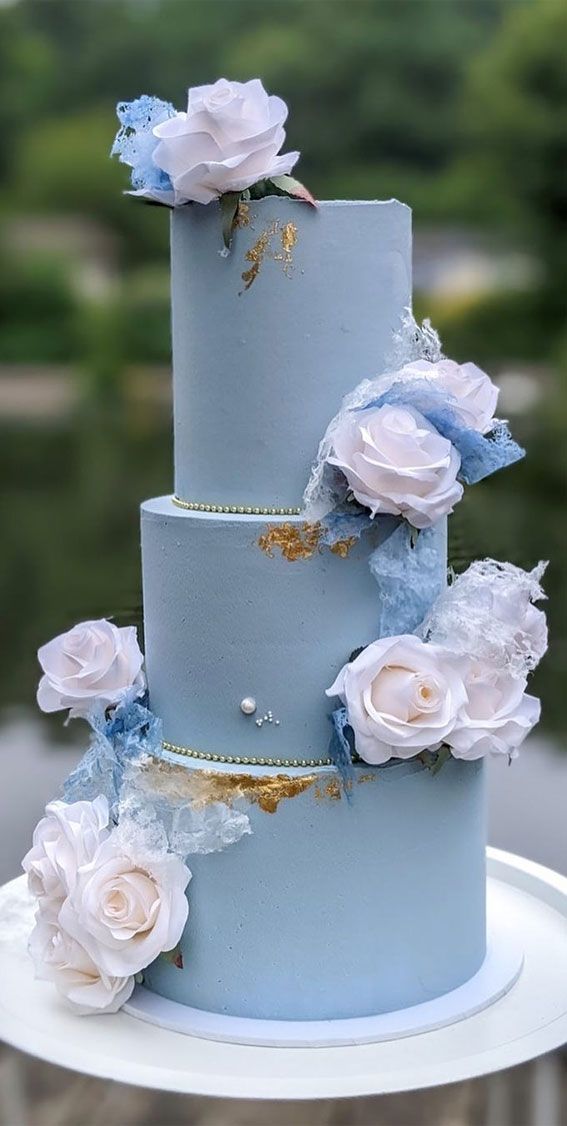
x,y
335,909
226,620
329,908
268,340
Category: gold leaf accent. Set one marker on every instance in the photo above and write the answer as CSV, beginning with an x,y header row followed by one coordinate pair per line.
x,y
342,547
333,788
329,791
262,249
294,542
370,776
202,787
242,217
289,237
256,254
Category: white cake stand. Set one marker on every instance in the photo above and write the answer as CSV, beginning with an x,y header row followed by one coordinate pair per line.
x,y
530,1019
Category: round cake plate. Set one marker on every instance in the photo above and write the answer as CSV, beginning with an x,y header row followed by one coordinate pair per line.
x,y
499,972
528,1020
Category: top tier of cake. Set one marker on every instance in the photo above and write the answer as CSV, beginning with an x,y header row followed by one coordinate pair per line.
x,y
269,338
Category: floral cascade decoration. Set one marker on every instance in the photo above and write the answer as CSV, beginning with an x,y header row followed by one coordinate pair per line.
x,y
457,686
225,146
107,864
395,460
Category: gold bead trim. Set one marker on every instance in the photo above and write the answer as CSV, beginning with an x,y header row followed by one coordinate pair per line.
x,y
234,509
243,760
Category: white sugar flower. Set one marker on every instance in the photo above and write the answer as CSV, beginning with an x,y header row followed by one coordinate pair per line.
x,y
488,614
402,696
92,666
497,717
63,961
396,462
472,389
126,907
109,902
229,139
67,837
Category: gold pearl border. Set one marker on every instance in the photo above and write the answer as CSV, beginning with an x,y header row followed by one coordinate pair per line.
x,y
234,509
242,760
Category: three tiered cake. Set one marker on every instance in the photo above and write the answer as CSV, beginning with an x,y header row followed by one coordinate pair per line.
x,y
309,732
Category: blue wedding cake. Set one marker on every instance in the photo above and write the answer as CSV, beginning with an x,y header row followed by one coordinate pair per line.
x,y
304,738
336,906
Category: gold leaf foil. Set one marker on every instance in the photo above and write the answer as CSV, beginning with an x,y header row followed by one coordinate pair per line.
x,y
202,787
294,542
262,248
342,547
256,254
369,776
329,790
289,237
266,791
242,217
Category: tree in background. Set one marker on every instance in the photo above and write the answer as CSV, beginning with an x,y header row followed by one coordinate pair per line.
x,y
516,108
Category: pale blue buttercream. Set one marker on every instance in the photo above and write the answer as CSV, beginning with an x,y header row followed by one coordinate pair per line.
x,y
330,908
337,909
258,372
224,621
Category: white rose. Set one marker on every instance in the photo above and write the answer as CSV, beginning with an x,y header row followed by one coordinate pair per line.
x,y
229,139
395,462
532,635
60,959
126,909
510,605
475,394
487,613
65,838
402,696
497,716
93,665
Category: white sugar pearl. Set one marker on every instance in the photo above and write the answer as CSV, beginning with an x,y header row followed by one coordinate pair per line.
x,y
248,705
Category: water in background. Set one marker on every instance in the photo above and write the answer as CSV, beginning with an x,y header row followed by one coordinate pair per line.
x,y
71,552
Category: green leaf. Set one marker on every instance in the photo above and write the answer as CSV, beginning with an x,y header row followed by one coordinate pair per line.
x,y
258,190
175,957
442,756
229,206
290,186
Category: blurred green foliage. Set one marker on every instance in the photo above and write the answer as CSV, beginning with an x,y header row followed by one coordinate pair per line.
x,y
456,107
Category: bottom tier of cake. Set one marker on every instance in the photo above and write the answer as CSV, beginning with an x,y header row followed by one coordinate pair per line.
x,y
334,906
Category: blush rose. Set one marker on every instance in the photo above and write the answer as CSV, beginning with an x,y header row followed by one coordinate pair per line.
x,y
402,696
92,666
395,462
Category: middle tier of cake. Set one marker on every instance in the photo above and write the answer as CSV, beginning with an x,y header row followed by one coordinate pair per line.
x,y
249,610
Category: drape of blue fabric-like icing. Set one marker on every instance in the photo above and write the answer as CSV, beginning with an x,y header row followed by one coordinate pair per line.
x,y
345,521
409,578
131,732
341,747
410,574
134,143
117,765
